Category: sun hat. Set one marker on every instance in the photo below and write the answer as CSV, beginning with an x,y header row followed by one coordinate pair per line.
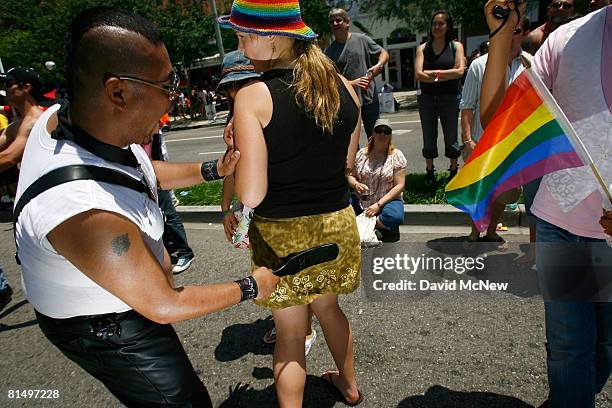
x,y
383,122
268,17
236,67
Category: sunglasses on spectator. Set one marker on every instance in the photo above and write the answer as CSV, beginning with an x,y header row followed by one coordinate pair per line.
x,y
169,86
337,20
561,5
383,130
10,83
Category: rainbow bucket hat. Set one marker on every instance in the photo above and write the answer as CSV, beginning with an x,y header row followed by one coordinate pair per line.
x,y
268,17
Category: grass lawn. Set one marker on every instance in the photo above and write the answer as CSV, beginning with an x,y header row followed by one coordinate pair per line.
x,y
415,191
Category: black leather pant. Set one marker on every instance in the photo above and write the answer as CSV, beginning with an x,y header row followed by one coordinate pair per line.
x,y
142,363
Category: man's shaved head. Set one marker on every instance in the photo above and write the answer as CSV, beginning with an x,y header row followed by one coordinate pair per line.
x,y
106,40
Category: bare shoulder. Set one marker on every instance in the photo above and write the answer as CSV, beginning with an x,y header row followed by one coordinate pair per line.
x,y
458,45
254,99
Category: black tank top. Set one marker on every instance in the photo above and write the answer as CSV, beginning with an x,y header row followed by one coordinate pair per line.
x,y
306,167
446,60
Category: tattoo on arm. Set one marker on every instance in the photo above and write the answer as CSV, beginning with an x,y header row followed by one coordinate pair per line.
x,y
121,244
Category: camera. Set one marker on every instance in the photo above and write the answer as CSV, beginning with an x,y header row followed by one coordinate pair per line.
x,y
502,13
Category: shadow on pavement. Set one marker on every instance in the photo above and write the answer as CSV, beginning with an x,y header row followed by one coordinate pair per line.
x,y
7,327
241,339
317,394
12,309
440,397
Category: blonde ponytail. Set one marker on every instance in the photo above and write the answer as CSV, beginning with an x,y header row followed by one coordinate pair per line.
x,y
316,84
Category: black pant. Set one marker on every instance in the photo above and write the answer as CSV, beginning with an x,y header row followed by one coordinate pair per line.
x,y
144,365
175,238
445,107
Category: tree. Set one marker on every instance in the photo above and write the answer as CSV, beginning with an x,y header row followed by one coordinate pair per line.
x,y
417,13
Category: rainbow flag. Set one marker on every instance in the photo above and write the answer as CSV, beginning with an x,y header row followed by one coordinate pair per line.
x,y
528,137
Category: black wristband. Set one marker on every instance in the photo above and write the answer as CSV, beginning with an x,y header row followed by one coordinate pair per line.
x,y
209,171
248,287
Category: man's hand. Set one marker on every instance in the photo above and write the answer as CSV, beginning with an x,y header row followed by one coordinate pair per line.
x,y
513,19
228,134
374,70
230,222
372,210
266,282
469,147
606,222
361,82
227,163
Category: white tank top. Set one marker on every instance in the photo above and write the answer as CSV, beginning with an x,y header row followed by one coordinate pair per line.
x,y
51,283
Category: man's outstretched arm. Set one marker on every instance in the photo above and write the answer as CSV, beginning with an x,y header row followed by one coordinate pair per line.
x,y
109,249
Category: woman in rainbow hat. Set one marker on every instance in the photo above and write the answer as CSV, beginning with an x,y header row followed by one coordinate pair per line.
x,y
297,129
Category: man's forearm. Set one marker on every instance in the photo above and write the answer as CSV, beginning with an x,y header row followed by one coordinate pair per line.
x,y
193,301
467,118
7,160
177,175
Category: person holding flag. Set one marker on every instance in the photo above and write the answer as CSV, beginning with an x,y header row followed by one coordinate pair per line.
x,y
566,139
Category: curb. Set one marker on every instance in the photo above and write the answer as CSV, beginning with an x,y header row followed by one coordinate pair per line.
x,y
434,214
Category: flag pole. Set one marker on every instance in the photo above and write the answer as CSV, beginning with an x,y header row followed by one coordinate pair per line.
x,y
565,124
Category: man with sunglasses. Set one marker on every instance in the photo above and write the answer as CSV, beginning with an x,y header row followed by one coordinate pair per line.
x,y
558,12
352,53
471,128
93,262
23,92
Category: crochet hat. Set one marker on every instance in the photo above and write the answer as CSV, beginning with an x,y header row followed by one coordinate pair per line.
x,y
268,17
236,67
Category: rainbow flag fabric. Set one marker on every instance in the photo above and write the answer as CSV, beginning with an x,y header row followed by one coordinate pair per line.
x,y
529,136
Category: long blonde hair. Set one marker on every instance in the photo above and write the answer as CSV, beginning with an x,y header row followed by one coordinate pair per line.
x,y
316,84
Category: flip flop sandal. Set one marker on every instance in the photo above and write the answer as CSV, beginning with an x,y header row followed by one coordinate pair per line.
x,y
503,244
328,378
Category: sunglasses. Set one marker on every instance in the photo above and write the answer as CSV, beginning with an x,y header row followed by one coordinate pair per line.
x,y
561,5
518,30
338,20
10,83
383,130
169,85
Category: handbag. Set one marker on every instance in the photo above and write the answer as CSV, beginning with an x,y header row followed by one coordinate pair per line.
x,y
366,226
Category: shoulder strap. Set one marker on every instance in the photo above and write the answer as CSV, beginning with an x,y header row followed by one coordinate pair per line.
x,y
71,173
78,172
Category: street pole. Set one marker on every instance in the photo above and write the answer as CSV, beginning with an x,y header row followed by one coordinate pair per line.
x,y
1,67
217,30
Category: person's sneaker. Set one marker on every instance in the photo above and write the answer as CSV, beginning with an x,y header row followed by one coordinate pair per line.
x,y
512,207
182,264
430,177
310,341
6,296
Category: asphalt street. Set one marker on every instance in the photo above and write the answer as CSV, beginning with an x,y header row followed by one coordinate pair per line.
x,y
469,349
206,143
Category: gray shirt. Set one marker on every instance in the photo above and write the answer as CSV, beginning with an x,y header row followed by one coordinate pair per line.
x,y
353,60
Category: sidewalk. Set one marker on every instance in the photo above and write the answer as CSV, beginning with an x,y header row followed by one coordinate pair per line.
x,y
422,215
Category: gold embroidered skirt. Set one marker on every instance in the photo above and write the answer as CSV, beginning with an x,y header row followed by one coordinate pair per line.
x,y
275,238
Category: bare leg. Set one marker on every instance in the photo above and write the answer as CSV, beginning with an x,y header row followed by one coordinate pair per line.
x,y
289,361
339,339
429,164
496,213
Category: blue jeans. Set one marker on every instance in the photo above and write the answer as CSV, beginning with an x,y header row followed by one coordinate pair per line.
x,y
175,238
391,215
578,333
3,282
445,107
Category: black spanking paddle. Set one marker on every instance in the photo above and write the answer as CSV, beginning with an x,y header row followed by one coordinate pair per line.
x,y
297,262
